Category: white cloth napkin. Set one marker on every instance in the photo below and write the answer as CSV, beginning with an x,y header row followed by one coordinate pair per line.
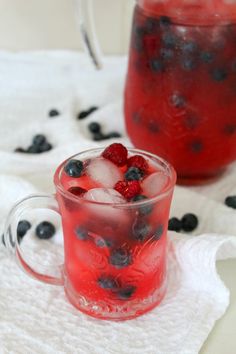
x,y
36,318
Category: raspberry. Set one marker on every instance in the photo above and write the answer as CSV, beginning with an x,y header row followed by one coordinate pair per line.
x,y
138,162
129,189
116,153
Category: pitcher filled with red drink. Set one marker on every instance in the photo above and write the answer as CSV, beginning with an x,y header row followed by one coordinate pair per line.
x,y
180,93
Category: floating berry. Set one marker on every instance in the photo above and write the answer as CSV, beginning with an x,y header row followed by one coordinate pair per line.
x,y
129,189
144,209
126,292
120,258
116,153
74,168
133,174
175,224
82,233
231,201
189,222
107,283
141,230
138,162
158,233
45,230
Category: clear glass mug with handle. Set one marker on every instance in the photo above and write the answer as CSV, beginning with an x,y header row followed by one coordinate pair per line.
x,y
115,253
179,99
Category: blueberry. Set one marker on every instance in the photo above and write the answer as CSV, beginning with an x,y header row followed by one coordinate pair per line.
x,y
126,292
188,64
175,224
120,258
231,201
189,222
164,21
94,127
33,149
53,113
107,282
82,233
133,174
22,228
39,139
21,150
102,243
158,233
169,40
85,114
189,47
156,65
196,146
144,209
141,230
219,74
177,100
166,54
207,57
45,230
74,168
45,147
113,135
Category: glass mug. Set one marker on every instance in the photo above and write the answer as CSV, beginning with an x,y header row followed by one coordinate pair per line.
x,y
107,273
180,93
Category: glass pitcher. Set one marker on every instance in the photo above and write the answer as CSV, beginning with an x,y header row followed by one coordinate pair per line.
x,y
180,94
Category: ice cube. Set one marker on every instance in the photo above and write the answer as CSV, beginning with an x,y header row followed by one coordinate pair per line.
x,y
104,195
154,184
104,172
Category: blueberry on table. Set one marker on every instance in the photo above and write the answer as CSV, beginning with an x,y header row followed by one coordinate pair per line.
x,y
45,230
22,228
141,230
231,201
126,292
45,147
82,233
120,258
219,74
175,224
144,209
94,127
189,222
53,113
74,168
107,283
85,114
133,174
39,139
33,149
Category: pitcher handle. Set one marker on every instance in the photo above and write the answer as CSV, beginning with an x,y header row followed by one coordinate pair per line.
x,y
46,274
85,19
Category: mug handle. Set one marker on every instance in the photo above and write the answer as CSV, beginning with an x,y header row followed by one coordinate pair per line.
x,y
51,274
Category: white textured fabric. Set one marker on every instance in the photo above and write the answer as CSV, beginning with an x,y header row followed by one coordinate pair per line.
x,y
36,318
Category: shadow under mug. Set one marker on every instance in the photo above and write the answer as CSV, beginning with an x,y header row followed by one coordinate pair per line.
x,y
115,254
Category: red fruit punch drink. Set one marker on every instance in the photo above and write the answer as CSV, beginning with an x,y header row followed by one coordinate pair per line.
x,y
180,97
115,208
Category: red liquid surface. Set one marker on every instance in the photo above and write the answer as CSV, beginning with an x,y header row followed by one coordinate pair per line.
x,y
139,280
180,97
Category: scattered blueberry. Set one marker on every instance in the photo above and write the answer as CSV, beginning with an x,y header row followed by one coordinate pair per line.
x,y
219,74
156,65
33,149
107,282
45,147
177,100
85,114
144,209
231,201
53,113
188,64
164,21
158,233
126,292
120,258
74,168
207,57
45,230
133,174
94,127
189,222
82,233
39,139
169,40
175,224
196,146
166,54
141,230
22,228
